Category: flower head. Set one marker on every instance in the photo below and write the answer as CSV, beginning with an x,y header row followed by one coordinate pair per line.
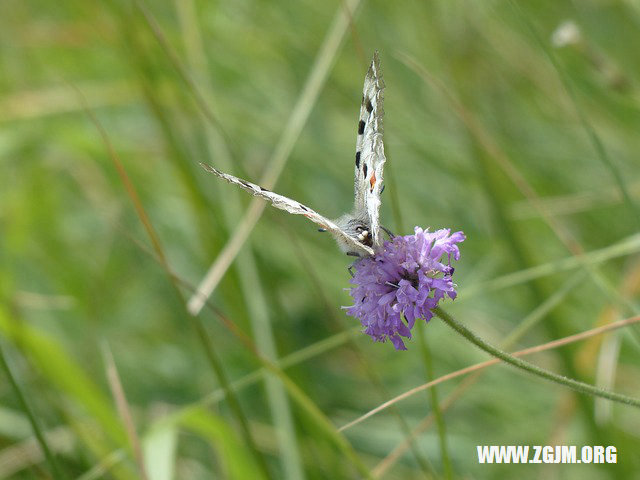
x,y
402,282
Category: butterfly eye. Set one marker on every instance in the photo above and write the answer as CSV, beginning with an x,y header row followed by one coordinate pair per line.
x,y
363,236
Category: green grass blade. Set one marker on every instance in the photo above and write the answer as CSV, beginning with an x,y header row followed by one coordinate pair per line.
x,y
55,471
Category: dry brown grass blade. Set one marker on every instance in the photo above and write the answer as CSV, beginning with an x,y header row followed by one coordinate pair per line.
x,y
57,99
123,408
527,351
384,465
608,350
174,58
629,287
126,181
200,330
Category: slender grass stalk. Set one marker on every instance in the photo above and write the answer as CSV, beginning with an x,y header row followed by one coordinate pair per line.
x,y
253,292
351,338
55,472
527,323
627,246
102,468
304,402
593,136
201,332
174,58
311,409
516,362
494,361
290,133
435,404
537,314
485,143
122,404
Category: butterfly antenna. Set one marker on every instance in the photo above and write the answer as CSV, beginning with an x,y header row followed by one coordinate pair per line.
x,y
388,232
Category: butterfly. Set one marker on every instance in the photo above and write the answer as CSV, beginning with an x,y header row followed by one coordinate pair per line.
x,y
357,233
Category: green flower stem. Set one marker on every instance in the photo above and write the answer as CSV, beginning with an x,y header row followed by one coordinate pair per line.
x,y
516,362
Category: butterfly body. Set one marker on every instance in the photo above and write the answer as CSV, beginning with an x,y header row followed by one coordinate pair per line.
x,y
356,233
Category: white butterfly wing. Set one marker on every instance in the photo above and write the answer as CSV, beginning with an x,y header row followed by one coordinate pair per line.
x,y
291,206
370,151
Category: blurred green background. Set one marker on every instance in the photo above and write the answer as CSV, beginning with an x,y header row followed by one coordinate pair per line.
x,y
525,140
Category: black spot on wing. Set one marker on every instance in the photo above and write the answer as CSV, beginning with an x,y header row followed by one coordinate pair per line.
x,y
246,184
364,168
361,127
358,160
369,106
264,189
303,207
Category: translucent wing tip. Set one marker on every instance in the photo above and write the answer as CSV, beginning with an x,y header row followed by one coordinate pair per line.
x,y
375,72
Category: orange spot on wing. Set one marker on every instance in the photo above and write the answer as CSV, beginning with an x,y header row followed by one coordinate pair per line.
x,y
372,180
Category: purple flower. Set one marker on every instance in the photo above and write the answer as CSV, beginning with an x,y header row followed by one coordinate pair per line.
x,y
403,282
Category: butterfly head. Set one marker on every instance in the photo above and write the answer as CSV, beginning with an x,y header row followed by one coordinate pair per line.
x,y
363,235
358,228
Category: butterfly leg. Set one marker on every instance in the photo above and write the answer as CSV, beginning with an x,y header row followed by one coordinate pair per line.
x,y
353,254
350,270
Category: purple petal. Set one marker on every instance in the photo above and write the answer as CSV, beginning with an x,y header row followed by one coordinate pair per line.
x,y
420,266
